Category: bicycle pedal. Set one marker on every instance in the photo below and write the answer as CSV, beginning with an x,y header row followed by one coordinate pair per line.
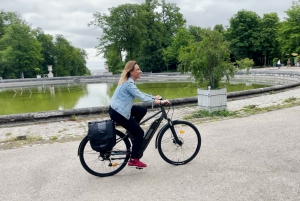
x,y
139,168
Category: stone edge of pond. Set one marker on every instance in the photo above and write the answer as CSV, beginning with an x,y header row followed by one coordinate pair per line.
x,y
49,115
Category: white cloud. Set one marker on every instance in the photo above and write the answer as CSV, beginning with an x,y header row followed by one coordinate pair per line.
x,y
94,62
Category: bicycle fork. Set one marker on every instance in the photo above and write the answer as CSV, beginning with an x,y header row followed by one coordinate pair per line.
x,y
177,140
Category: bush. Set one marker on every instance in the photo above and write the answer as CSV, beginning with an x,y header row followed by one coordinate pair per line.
x,y
208,60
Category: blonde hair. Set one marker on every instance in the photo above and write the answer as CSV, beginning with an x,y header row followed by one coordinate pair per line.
x,y
126,71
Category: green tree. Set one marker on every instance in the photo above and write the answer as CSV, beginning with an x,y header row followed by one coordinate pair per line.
x,y
122,29
142,32
6,19
267,36
62,56
21,52
242,34
163,20
245,63
113,60
48,49
172,20
196,32
289,30
78,62
150,56
208,59
181,39
219,28
68,60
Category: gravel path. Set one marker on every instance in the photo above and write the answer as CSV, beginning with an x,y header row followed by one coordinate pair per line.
x,y
71,129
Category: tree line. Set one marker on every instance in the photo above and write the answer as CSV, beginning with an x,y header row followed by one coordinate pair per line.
x,y
26,52
153,33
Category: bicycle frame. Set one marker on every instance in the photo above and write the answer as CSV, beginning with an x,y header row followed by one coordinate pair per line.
x,y
153,128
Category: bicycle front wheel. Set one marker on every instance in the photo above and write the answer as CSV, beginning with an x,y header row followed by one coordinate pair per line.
x,y
174,153
108,164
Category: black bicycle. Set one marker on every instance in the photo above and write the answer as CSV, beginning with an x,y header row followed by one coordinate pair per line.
x,y
178,143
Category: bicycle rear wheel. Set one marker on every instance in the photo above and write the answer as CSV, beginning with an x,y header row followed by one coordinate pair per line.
x,y
174,153
108,164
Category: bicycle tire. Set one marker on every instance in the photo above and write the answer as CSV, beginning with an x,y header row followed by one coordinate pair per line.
x,y
176,154
97,165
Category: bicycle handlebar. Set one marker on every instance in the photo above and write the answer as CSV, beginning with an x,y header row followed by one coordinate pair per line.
x,y
161,98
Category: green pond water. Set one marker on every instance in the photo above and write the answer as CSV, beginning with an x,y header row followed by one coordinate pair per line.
x,y
59,97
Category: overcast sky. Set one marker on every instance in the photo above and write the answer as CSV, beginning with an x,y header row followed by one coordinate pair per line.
x,y
70,17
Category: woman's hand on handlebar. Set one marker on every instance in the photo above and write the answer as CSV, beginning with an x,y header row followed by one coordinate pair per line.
x,y
165,102
160,101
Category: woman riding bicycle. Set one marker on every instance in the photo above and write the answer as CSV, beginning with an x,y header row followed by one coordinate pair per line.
x,y
124,113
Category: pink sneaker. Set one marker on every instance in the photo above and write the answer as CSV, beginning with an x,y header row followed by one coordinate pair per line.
x,y
136,163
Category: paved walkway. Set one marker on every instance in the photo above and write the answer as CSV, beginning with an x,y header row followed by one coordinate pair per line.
x,y
250,158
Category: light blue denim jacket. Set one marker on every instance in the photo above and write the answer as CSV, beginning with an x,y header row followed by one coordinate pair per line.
x,y
123,98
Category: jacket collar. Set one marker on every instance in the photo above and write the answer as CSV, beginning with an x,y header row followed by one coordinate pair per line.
x,y
131,80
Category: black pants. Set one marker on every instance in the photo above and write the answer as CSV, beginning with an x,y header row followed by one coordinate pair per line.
x,y
132,125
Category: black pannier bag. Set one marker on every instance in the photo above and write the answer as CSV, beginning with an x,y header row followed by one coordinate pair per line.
x,y
102,135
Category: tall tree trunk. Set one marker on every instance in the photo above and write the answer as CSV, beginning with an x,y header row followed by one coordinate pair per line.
x,y
266,53
265,60
120,54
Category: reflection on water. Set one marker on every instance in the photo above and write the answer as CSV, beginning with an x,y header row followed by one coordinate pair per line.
x,y
52,90
59,97
98,95
36,99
